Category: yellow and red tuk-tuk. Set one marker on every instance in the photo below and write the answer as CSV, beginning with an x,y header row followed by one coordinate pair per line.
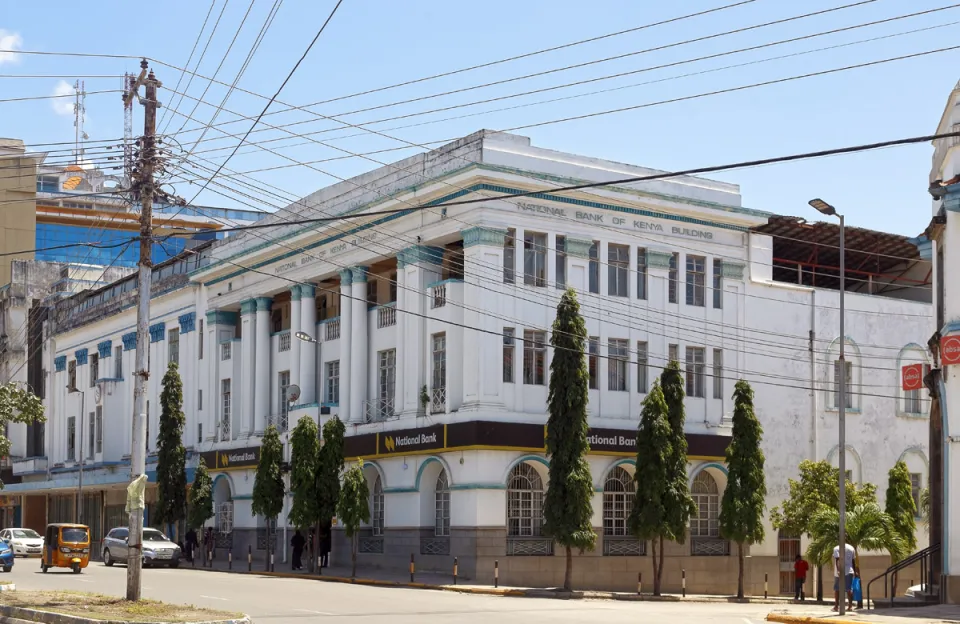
x,y
66,546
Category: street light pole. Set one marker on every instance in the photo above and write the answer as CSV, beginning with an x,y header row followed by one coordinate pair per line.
x,y
78,507
829,210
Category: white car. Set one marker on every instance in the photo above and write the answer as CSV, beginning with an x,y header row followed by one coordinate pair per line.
x,y
23,542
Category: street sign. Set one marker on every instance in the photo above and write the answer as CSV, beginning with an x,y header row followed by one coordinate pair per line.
x,y
950,350
911,377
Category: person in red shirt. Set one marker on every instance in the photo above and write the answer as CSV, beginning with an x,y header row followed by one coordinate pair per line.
x,y
800,568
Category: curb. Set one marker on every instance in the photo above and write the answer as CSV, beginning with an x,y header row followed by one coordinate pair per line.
x,y
808,619
19,614
8,587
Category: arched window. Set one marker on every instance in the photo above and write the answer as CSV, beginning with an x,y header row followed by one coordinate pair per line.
x,y
706,495
376,518
524,502
618,495
441,525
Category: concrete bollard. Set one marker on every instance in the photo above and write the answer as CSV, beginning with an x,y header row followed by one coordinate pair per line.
x,y
496,573
766,585
230,559
412,567
639,583
319,567
249,558
271,562
455,567
683,581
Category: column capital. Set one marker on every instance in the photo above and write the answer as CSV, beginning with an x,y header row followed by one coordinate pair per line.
x,y
346,277
263,304
659,258
295,293
308,291
359,274
420,253
248,306
221,317
578,247
479,235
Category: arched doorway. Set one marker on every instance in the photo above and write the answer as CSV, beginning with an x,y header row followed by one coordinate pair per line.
x,y
619,493
525,492
223,511
705,537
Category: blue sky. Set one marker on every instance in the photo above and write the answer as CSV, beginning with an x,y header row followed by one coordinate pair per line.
x,y
370,44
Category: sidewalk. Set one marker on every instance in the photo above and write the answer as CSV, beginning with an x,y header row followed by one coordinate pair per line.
x,y
934,614
444,582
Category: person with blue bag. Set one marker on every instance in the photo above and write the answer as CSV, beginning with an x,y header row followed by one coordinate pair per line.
x,y
848,572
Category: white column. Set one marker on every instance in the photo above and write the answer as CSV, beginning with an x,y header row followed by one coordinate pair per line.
x,y
248,366
346,340
308,350
211,399
518,256
358,347
295,345
402,298
261,398
410,307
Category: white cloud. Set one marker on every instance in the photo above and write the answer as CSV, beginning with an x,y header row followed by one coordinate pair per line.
x,y
63,105
9,41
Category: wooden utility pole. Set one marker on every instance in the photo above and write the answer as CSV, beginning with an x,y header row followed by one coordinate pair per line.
x,y
143,186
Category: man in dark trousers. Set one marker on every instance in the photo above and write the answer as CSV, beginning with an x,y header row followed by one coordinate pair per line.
x,y
800,568
297,543
190,543
326,541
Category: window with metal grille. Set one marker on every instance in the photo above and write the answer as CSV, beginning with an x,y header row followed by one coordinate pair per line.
x,y
333,382
509,256
439,361
618,358
593,361
534,357
641,273
696,385
94,369
706,495
534,259
376,518
717,283
618,268
441,527
561,259
118,362
200,340
594,275
99,426
718,373
618,495
916,486
199,433
173,346
225,409
387,379
283,383
72,438
672,278
696,275
524,502
509,352
91,434
848,384
642,367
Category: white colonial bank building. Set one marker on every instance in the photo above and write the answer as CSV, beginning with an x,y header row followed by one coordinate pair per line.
x,y
432,330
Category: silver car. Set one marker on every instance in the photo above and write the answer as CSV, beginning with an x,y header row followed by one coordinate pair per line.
x,y
158,550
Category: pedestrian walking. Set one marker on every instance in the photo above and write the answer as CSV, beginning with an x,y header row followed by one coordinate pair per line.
x,y
847,571
800,568
208,543
325,544
297,543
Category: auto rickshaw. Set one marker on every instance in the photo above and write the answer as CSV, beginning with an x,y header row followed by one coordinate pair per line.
x,y
66,546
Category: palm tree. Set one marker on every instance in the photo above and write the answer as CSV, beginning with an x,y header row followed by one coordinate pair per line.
x,y
868,529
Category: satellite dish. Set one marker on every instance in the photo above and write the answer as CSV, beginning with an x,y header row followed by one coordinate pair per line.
x,y
293,393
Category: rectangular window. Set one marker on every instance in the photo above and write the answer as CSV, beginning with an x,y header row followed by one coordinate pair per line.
x,y
848,386
200,340
642,367
534,259
200,399
283,383
717,283
439,361
695,372
199,433
618,353
593,361
916,486
371,290
94,369
226,351
72,438
673,353
118,362
91,433
696,274
99,426
509,257
72,374
393,287
718,373
387,379
595,267
173,347
333,382
641,273
672,278
534,357
225,406
618,267
561,262
508,354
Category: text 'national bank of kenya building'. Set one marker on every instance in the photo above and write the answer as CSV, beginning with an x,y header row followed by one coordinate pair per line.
x,y
433,346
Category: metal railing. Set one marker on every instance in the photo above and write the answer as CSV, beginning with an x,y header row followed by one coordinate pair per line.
x,y
285,341
387,315
438,297
226,350
332,331
623,546
529,546
376,410
923,557
709,547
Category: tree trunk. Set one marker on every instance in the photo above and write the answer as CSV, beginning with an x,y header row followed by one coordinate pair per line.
x,y
740,575
315,550
267,562
353,555
820,583
567,578
656,568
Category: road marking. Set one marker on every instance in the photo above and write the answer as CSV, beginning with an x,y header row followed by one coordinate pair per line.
x,y
747,621
316,612
213,597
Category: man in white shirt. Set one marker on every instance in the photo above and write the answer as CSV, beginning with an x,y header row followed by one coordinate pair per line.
x,y
848,571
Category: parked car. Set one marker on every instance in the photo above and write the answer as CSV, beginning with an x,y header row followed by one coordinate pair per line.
x,y
23,542
158,550
6,557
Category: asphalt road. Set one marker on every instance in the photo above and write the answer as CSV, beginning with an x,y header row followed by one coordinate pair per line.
x,y
276,600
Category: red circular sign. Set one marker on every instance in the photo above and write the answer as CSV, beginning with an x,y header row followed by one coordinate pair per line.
x,y
950,350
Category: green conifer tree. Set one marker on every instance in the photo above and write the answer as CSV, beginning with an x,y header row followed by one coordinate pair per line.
x,y
171,455
201,497
567,506
268,486
900,505
304,450
650,514
329,467
353,507
741,509
679,504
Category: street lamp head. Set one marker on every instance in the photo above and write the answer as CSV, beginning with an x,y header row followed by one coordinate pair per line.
x,y
304,336
823,207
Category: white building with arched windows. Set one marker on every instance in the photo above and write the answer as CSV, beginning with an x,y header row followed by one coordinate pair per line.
x,y
429,305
